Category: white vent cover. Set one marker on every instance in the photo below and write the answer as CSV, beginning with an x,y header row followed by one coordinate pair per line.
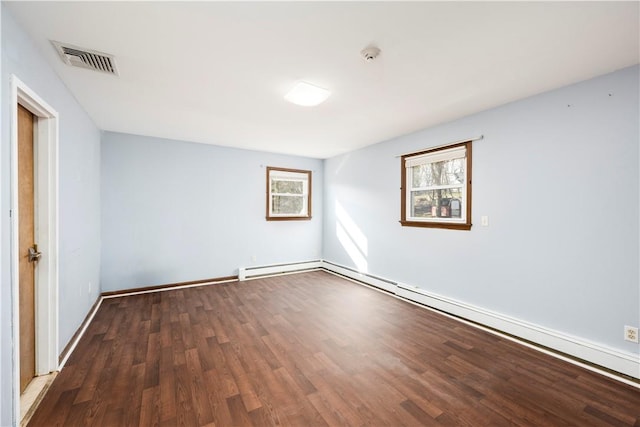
x,y
86,58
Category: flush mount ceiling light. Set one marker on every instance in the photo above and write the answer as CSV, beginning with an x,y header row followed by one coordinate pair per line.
x,y
306,94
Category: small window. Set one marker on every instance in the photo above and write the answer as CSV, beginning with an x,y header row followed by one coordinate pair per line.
x,y
288,194
436,188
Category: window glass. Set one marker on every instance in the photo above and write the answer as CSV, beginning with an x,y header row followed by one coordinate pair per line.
x,y
436,188
288,194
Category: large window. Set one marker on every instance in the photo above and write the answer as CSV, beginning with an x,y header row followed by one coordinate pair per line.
x,y
288,194
436,188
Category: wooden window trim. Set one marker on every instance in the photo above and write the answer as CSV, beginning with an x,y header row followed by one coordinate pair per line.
x,y
307,217
435,224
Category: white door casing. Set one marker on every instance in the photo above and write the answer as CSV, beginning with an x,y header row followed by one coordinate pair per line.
x,y
46,234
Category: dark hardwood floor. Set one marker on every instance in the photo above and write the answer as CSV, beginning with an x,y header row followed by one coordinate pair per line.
x,y
313,349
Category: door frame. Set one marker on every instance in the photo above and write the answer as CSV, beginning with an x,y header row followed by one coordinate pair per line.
x,y
45,144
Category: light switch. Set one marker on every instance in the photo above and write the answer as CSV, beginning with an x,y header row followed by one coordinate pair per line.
x,y
484,220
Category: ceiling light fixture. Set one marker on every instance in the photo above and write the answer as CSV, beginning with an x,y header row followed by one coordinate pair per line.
x,y
307,95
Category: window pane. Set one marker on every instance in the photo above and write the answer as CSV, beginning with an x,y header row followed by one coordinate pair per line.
x,y
289,205
288,187
438,173
288,194
437,203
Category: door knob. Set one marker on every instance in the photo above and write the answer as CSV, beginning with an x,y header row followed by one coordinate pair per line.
x,y
34,255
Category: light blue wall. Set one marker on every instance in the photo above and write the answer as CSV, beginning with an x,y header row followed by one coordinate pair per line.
x,y
5,399
79,196
557,174
175,211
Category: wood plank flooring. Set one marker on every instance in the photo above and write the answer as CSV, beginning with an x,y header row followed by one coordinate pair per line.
x,y
313,349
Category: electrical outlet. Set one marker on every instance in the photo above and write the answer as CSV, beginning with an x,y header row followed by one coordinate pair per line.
x,y
631,334
253,258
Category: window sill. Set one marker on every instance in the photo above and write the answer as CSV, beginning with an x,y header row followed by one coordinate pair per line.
x,y
447,225
288,218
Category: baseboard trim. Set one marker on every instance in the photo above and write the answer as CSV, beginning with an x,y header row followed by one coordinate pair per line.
x,y
627,364
246,273
569,348
155,288
71,344
75,339
624,363
375,281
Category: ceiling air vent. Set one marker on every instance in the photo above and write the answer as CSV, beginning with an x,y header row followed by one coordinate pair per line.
x,y
86,58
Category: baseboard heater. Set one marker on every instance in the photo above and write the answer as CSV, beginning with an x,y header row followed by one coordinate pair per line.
x,y
560,345
246,273
369,279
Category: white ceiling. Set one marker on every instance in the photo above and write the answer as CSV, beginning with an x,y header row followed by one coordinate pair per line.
x,y
216,72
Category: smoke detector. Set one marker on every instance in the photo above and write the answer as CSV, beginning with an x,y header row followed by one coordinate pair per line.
x,y
369,53
86,58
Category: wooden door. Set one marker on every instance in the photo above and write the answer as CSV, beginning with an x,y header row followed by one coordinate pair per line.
x,y
26,240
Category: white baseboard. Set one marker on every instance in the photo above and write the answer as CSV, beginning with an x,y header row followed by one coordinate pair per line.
x,y
615,360
378,282
246,273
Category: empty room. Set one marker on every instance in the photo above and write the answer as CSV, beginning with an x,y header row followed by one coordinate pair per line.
x,y
320,213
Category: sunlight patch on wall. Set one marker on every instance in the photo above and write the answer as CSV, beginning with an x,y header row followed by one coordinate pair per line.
x,y
351,237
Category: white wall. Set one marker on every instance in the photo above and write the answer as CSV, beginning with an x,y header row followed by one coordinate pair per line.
x,y
5,401
175,211
557,174
79,197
